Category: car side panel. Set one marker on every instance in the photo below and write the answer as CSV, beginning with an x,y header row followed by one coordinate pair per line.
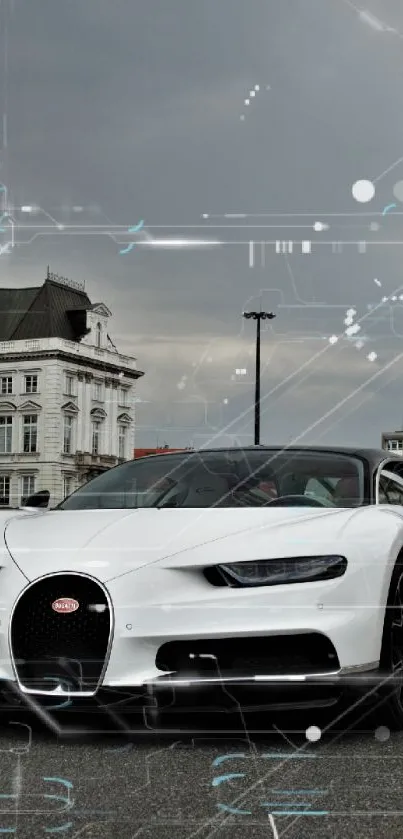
x,y
169,602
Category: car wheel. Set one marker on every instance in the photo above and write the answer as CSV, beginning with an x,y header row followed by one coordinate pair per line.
x,y
390,710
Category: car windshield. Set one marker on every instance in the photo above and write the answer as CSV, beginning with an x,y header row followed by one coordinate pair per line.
x,y
226,479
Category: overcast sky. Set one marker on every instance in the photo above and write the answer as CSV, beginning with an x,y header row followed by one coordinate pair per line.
x,y
132,110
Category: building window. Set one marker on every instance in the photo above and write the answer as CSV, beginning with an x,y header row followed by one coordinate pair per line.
x,y
96,430
6,435
395,445
4,491
31,384
97,391
68,434
69,385
27,487
122,441
30,433
68,486
98,334
123,396
6,385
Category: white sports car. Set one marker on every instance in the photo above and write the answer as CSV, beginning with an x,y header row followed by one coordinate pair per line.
x,y
275,568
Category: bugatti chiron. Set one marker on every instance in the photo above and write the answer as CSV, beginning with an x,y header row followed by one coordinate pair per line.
x,y
273,568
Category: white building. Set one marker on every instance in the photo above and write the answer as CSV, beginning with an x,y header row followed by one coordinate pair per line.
x,y
66,394
392,441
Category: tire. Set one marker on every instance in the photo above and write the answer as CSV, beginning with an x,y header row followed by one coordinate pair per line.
x,y
389,711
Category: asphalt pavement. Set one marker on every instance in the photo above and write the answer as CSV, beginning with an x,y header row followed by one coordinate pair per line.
x,y
217,776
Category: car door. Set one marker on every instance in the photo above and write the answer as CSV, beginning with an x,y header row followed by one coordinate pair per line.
x,y
390,485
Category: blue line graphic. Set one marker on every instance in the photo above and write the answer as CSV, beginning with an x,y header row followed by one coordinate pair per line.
x,y
300,791
65,783
128,249
67,702
222,778
225,808
218,760
283,803
281,756
135,229
387,208
60,829
300,812
126,748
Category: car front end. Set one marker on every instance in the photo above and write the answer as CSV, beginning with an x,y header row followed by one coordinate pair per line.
x,y
282,604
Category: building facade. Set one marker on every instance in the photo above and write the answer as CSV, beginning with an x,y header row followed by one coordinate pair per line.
x,y
392,441
66,394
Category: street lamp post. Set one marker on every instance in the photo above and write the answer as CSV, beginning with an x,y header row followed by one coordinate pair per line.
x,y
258,317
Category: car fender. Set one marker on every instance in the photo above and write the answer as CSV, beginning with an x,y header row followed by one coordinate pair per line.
x,y
395,546
379,532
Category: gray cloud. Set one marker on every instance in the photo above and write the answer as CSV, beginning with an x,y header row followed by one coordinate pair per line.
x,y
135,108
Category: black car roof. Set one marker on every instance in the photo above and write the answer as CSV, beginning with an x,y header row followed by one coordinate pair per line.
x,y
373,456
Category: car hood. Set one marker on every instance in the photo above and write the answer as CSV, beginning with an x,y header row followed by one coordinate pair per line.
x,y
7,515
109,543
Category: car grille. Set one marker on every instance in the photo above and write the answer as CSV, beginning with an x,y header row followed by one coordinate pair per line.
x,y
68,649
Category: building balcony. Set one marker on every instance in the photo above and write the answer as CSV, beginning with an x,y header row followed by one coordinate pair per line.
x,y
82,351
19,456
89,465
86,459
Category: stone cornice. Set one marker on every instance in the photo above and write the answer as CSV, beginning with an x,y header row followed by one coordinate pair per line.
x,y
78,361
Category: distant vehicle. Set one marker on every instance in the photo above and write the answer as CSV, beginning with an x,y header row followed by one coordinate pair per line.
x,y
263,567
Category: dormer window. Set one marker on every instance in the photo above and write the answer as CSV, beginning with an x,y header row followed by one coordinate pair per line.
x,y
98,334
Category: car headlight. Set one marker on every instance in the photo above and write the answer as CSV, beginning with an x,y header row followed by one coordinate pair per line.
x,y
272,572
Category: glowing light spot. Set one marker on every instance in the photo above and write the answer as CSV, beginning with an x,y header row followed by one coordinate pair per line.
x,y
363,191
313,733
382,733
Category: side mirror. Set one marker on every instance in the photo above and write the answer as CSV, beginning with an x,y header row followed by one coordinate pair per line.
x,y
39,499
